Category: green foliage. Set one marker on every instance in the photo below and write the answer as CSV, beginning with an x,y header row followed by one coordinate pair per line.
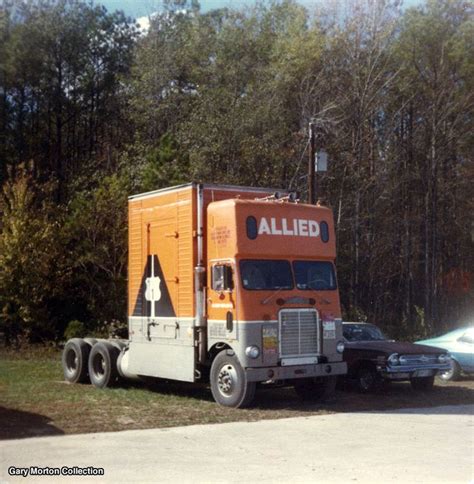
x,y
30,262
98,112
75,329
63,70
111,329
96,231
165,166
421,330
355,314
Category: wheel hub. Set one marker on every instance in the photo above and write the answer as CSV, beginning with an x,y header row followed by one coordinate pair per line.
x,y
447,375
99,365
366,380
72,361
226,380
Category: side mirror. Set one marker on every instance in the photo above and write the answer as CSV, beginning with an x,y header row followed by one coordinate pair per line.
x,y
222,278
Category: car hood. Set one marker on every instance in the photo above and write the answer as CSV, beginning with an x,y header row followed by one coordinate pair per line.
x,y
433,342
389,347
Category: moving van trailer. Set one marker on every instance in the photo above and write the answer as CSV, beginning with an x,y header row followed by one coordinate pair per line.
x,y
231,285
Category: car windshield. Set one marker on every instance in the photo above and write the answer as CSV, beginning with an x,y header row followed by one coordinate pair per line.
x,y
314,275
265,275
362,332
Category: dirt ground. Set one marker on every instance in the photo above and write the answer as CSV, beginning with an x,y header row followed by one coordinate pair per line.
x,y
35,401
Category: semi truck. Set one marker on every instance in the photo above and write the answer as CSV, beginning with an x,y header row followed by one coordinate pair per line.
x,y
231,286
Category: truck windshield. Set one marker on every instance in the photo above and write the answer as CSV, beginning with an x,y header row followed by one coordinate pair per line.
x,y
314,275
265,275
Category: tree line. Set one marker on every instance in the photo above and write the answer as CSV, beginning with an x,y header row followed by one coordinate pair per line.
x,y
94,108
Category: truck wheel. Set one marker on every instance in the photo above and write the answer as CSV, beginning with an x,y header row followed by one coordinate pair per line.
x,y
453,373
103,364
229,384
316,389
74,361
368,380
90,341
423,384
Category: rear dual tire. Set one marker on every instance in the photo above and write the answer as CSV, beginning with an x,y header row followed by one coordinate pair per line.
x,y
88,360
103,364
75,359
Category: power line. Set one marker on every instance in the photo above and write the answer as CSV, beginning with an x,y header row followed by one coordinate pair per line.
x,y
299,164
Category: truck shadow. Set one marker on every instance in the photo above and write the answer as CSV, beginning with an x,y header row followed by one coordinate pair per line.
x,y
395,396
198,391
16,424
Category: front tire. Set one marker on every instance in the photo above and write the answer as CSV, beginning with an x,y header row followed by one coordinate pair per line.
x,y
74,361
368,380
453,373
316,389
103,365
423,384
229,385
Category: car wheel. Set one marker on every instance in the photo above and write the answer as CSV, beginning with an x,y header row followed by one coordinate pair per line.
x,y
316,389
229,385
453,373
423,384
368,380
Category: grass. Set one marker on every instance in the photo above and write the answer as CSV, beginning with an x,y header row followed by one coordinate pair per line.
x,y
35,401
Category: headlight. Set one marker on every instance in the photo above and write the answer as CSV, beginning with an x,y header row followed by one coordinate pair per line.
x,y
252,351
443,359
340,347
393,360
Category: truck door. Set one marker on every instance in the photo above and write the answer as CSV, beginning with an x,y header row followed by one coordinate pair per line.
x,y
222,308
161,280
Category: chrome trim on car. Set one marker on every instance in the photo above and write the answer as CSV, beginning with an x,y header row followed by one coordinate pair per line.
x,y
410,363
411,368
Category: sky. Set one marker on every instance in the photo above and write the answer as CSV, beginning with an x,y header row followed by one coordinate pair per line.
x,y
143,8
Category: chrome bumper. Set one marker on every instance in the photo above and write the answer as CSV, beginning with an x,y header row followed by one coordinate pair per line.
x,y
293,372
407,371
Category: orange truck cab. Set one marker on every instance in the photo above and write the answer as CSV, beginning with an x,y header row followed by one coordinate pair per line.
x,y
235,285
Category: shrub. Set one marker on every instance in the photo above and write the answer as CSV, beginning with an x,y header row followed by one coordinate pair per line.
x,y
75,329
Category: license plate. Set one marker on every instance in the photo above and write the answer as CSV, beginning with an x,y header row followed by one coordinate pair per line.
x,y
329,330
399,376
420,373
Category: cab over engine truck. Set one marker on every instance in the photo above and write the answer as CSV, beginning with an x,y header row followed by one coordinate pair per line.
x,y
231,284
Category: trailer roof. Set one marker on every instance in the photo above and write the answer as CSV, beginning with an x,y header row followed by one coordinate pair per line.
x,y
204,185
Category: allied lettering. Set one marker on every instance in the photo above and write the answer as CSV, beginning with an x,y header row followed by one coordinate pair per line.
x,y
263,227
283,226
303,227
275,231
313,228
295,226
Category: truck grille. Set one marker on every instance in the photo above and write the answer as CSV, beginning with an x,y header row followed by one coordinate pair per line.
x,y
299,333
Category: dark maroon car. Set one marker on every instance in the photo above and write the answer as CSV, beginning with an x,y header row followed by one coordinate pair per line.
x,y
372,358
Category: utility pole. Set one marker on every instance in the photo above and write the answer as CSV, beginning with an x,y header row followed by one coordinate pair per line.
x,y
311,171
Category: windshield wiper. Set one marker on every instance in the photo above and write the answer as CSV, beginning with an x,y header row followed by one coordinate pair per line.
x,y
265,301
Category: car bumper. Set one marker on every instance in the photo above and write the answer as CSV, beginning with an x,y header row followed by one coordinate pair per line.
x,y
294,372
411,371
